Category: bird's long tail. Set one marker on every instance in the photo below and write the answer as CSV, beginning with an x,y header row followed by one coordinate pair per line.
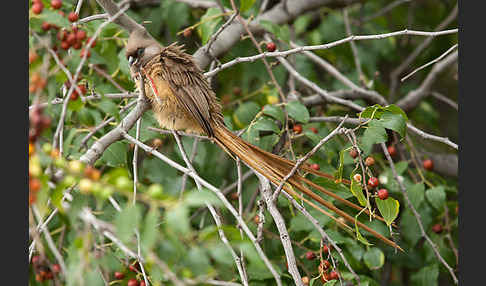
x,y
276,168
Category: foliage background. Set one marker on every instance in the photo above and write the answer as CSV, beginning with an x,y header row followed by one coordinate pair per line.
x,y
176,230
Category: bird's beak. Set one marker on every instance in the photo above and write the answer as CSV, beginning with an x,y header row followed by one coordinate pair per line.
x,y
131,60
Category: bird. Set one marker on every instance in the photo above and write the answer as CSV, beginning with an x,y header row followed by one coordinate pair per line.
x,y
183,100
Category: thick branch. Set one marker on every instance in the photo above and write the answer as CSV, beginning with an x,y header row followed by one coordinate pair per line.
x,y
279,14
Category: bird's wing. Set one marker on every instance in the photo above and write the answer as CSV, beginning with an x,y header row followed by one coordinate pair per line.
x,y
188,85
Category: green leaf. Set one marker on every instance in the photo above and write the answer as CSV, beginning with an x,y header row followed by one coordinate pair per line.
x,y
360,237
388,209
270,27
374,258
395,122
275,112
75,105
109,107
375,133
427,276
245,5
209,22
436,197
245,113
126,222
300,223
416,194
265,124
200,198
356,190
177,218
53,17
115,155
297,111
123,62
377,110
150,232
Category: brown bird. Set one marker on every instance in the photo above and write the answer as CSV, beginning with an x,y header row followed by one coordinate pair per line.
x,y
182,99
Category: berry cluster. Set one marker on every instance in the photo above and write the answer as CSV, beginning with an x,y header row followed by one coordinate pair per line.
x,y
36,81
38,123
75,94
68,38
43,271
134,281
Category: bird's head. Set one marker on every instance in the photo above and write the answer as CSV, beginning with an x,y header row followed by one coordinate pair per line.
x,y
141,48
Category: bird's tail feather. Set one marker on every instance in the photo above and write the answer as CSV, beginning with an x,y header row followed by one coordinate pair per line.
x,y
276,168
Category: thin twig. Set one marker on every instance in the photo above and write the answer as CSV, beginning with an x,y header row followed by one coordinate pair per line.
x,y
329,45
429,63
218,193
354,50
215,215
299,162
416,214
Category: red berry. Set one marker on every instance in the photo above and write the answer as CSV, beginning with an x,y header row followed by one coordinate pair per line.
x,y
325,277
142,283
61,13
428,164
357,177
94,42
39,277
315,166
392,150
62,35
369,161
353,153
133,268
77,45
309,255
34,185
187,33
333,275
56,268
45,122
383,194
35,259
437,228
271,46
82,88
83,51
297,128
373,182
74,95
32,57
65,45
73,16
37,8
234,196
49,275
132,282
46,26
313,129
119,275
81,35
325,248
325,264
56,4
71,39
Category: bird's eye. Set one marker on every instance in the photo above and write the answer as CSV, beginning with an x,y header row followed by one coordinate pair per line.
x,y
140,51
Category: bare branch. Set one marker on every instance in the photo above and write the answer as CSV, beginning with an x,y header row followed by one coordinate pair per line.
x,y
266,192
416,214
